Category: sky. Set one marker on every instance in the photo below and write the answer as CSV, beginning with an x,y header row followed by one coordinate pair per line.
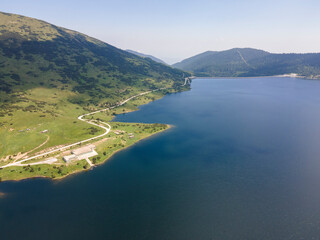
x,y
177,29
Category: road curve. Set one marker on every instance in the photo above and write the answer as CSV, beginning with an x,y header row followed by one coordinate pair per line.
x,y
107,129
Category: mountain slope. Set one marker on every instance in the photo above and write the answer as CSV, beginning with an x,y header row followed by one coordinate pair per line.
x,y
146,56
239,62
50,75
35,53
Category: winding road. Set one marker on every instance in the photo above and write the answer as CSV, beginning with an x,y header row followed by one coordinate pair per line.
x,y
81,118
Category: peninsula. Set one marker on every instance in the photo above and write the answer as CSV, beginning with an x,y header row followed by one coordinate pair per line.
x,y
60,89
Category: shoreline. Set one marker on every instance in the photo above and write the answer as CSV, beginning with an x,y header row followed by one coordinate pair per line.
x,y
58,178
108,158
279,76
99,124
89,169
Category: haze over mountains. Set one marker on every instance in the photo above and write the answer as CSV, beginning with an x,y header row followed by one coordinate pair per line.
x,y
146,56
244,62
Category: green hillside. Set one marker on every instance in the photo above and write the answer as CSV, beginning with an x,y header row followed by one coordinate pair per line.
x,y
35,53
243,62
50,75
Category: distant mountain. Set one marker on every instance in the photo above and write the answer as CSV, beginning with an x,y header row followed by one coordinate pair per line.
x,y
242,62
34,53
146,56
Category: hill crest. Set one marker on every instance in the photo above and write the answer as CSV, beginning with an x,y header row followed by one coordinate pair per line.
x,y
242,62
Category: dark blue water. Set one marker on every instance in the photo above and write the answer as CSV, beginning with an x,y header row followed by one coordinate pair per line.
x,y
242,162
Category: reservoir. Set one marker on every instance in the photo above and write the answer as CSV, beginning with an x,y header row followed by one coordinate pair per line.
x,y
241,162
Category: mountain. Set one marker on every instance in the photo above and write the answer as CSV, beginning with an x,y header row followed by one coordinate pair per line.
x,y
50,75
146,56
243,62
34,53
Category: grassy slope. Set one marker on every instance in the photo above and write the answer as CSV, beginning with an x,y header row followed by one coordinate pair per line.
x,y
67,60
50,75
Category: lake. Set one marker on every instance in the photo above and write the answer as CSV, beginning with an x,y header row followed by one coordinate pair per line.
x,y
241,162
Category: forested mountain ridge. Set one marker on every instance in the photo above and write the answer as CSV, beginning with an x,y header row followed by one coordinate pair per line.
x,y
244,62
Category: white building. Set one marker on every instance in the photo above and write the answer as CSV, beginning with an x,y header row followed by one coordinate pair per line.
x,y
70,158
81,153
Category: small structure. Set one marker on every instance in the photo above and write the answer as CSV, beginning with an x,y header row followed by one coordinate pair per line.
x,y
44,131
70,158
117,132
130,135
85,152
81,153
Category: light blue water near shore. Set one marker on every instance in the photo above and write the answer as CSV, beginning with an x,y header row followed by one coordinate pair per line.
x,y
242,162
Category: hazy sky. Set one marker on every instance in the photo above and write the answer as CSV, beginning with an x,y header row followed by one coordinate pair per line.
x,y
175,29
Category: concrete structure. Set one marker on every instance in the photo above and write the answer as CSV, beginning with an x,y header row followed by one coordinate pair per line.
x,y
83,150
70,158
87,155
81,153
51,160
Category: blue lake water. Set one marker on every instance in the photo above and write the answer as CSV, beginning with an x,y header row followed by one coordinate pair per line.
x,y
242,162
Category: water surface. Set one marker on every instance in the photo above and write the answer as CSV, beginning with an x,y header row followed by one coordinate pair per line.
x,y
242,162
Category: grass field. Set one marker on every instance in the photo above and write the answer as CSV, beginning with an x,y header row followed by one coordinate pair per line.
x,y
21,132
44,109
118,139
21,129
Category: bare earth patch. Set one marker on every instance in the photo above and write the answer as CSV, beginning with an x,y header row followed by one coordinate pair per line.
x,y
5,159
19,156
